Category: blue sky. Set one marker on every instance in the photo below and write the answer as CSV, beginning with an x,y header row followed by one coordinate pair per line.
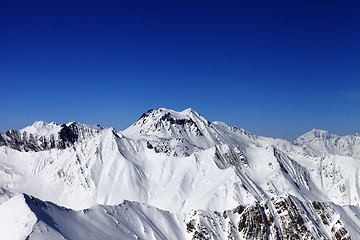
x,y
274,68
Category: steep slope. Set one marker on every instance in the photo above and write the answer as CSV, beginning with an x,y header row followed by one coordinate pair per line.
x,y
186,131
280,218
176,162
128,220
320,141
110,168
16,219
45,136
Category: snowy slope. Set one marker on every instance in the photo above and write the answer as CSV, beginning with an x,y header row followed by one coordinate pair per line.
x,y
128,220
173,163
320,141
280,218
45,136
16,219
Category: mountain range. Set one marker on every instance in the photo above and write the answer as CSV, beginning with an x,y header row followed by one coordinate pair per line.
x,y
175,175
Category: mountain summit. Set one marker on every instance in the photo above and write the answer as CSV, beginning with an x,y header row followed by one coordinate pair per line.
x,y
165,123
175,175
321,141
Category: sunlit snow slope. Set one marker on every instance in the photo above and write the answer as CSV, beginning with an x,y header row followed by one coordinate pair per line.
x,y
178,176
321,141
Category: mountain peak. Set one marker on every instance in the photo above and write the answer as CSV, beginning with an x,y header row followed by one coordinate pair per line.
x,y
314,135
185,114
39,123
322,135
41,136
321,141
42,128
210,180
319,133
170,115
164,122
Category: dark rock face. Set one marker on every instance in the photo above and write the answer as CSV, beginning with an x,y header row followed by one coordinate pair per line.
x,y
68,135
149,146
283,218
160,120
292,223
144,115
254,223
325,213
181,122
24,141
176,147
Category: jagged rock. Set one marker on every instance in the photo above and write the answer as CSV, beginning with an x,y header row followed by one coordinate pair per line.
x,y
242,186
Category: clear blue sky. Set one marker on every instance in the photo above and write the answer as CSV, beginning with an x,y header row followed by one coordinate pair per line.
x,y
274,68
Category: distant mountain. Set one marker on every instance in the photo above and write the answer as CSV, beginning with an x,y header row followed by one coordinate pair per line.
x,y
45,136
320,141
176,176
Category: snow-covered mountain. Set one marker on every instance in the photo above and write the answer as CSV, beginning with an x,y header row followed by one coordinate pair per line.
x,y
45,136
321,141
176,176
25,216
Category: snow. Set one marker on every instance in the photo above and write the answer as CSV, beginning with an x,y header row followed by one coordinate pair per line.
x,y
16,219
128,220
169,163
42,128
320,141
132,220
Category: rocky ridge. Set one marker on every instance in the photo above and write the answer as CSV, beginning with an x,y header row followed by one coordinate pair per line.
x,y
203,180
